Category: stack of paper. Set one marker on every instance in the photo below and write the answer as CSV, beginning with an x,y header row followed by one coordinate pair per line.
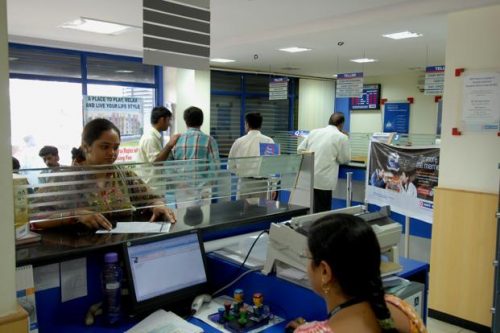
x,y
25,287
162,321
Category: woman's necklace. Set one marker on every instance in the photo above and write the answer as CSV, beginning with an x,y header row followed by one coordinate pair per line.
x,y
352,301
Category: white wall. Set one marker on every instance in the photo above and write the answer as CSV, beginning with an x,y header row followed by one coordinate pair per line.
x,y
470,161
7,247
396,88
316,103
185,88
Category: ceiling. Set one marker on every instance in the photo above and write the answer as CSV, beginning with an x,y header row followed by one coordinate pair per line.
x,y
252,31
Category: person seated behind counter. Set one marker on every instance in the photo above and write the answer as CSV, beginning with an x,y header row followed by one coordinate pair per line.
x,y
344,269
100,143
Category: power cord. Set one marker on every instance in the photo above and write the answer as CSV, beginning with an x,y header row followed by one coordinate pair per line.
x,y
237,278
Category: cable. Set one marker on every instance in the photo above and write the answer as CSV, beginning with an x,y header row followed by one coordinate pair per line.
x,y
236,279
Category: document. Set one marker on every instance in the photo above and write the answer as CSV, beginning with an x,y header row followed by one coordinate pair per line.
x,y
26,294
137,228
46,277
162,321
73,279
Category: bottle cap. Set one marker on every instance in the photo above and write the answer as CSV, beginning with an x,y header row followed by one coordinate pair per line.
x,y
111,257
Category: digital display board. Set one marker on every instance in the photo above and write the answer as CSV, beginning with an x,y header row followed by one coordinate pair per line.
x,y
370,100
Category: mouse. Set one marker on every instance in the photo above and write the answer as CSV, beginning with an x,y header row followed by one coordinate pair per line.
x,y
198,302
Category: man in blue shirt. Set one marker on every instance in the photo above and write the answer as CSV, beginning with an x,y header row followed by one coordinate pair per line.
x,y
201,153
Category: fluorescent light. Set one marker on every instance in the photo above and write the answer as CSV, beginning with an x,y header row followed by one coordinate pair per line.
x,y
124,71
295,49
363,60
403,35
221,60
97,26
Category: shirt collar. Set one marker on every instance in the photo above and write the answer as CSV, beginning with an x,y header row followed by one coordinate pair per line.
x,y
253,132
155,132
191,129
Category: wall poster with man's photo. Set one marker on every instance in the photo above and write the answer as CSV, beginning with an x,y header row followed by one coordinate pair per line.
x,y
404,178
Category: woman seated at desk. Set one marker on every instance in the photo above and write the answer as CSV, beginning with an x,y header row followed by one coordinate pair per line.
x,y
114,189
344,269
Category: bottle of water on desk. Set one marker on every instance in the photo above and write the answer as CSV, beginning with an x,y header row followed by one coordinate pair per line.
x,y
112,280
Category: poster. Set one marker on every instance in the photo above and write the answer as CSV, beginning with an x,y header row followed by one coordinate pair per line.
x,y
403,178
278,88
481,102
434,80
349,85
124,112
397,117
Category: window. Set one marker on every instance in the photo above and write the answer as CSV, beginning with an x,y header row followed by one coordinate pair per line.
x,y
233,95
46,90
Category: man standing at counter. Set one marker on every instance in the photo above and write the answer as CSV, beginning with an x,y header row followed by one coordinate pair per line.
x,y
331,148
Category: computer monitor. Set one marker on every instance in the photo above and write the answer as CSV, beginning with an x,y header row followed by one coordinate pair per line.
x,y
165,269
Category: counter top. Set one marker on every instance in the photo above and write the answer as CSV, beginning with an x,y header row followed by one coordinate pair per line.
x,y
215,220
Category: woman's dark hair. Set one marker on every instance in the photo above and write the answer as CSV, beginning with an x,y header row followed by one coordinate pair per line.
x,y
193,116
349,245
77,155
94,128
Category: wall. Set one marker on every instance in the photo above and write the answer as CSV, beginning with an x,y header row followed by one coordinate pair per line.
x,y
185,88
7,247
463,240
423,112
316,103
474,155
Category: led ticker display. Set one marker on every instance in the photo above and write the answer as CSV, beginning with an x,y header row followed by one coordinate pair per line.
x,y
370,100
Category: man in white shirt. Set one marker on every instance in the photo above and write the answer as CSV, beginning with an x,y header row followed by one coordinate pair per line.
x,y
150,145
249,146
331,148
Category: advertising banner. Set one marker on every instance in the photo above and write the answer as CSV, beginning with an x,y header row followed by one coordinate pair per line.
x,y
403,178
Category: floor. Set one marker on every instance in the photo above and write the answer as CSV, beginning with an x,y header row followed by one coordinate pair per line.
x,y
436,326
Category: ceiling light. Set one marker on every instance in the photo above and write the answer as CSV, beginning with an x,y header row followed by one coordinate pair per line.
x,y
295,49
97,26
403,35
124,71
335,76
363,60
221,60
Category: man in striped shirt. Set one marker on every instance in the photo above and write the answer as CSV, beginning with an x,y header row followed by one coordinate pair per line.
x,y
202,150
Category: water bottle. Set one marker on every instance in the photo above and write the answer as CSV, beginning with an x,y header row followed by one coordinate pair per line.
x,y
112,280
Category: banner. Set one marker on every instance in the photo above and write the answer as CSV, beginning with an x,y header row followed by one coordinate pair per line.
x,y
403,178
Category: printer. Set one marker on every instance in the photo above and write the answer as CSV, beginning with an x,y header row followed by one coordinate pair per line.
x,y
288,241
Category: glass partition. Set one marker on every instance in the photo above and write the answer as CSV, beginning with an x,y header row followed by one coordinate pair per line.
x,y
116,190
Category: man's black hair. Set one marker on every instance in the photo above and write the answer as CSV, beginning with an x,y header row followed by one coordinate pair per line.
x,y
254,120
193,116
48,150
336,119
159,112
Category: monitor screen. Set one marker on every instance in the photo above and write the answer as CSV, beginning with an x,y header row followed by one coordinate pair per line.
x,y
165,269
370,100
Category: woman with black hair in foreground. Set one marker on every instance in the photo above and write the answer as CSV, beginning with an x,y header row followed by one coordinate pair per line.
x,y
344,269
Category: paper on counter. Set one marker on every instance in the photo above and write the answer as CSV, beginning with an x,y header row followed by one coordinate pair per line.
x,y
73,279
162,321
46,277
137,228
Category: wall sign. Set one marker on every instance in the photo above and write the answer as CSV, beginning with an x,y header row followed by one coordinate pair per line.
x,y
397,117
434,80
278,88
481,102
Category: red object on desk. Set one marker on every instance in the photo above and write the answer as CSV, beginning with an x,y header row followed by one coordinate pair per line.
x,y
455,131
459,71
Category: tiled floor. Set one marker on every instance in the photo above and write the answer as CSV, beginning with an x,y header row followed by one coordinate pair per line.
x,y
436,326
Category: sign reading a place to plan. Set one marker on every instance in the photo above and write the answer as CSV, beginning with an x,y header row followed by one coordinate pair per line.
x,y
349,85
278,88
481,102
434,80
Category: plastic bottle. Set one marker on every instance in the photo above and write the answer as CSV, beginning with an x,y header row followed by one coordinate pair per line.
x,y
112,280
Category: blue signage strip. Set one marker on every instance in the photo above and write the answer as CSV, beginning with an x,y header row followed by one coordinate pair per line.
x,y
349,75
397,117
